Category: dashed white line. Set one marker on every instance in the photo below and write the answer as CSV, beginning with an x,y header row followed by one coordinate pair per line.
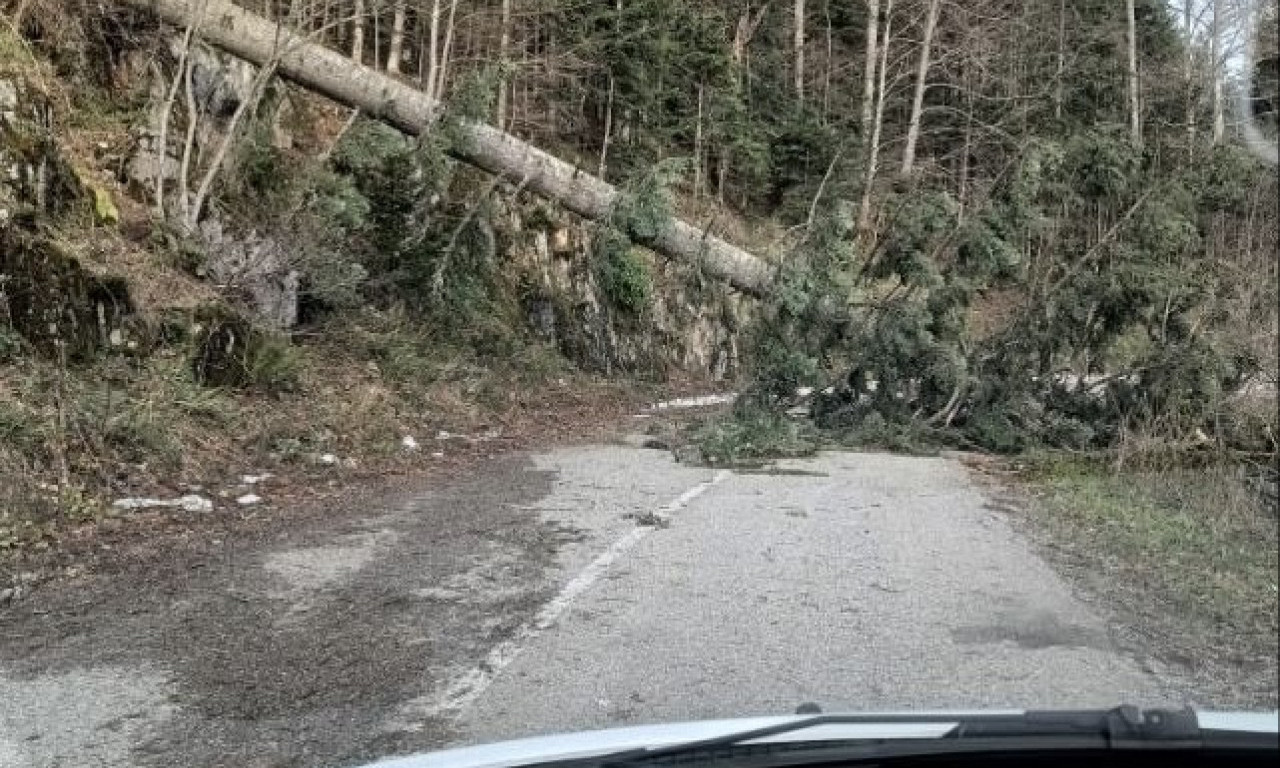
x,y
468,686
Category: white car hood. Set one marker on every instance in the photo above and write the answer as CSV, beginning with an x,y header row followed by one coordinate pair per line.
x,y
568,746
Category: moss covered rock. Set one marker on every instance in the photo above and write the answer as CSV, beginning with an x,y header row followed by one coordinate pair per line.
x,y
36,178
49,299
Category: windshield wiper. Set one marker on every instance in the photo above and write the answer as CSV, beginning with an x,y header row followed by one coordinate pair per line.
x,y
1124,727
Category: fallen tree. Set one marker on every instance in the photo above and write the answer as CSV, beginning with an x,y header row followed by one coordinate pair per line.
x,y
325,71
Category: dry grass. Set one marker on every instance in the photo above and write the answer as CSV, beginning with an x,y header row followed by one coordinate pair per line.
x,y
1187,553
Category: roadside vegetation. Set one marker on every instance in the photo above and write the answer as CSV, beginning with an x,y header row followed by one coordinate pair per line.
x,y
1182,554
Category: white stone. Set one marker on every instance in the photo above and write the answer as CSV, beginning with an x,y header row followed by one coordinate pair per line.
x,y
194,503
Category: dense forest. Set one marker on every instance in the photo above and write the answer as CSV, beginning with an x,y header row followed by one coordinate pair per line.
x,y
1001,224
1039,220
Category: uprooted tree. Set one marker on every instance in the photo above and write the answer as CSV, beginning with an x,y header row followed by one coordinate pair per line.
x,y
330,73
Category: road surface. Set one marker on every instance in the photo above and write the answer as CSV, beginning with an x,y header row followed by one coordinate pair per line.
x,y
579,588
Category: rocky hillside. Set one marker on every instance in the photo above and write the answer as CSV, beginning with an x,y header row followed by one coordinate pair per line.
x,y
345,296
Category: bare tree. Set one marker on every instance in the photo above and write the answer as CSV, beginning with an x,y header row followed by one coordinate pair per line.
x,y
1216,70
1189,72
395,48
357,31
432,73
607,139
446,51
1135,102
504,55
917,99
798,47
1061,66
869,67
873,144
166,111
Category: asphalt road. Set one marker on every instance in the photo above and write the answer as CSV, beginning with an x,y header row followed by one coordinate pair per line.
x,y
856,581
580,588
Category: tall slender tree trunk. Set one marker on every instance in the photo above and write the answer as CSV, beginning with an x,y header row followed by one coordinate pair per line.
x,y
697,144
798,47
1135,100
433,52
1189,73
504,59
830,64
917,98
607,139
447,52
1216,72
396,46
357,31
873,145
1060,69
869,67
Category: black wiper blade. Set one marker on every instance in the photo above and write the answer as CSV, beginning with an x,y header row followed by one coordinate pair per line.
x,y
1119,728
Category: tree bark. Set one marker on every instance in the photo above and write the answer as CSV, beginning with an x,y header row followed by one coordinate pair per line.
x,y
447,51
873,144
332,74
396,47
433,52
798,48
504,55
1135,102
697,145
1061,67
357,32
869,67
917,98
1216,72
1189,73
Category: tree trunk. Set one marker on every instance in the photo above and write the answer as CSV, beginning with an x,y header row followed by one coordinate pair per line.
x,y
1189,73
1216,72
357,32
1135,102
798,48
332,74
697,145
504,55
447,51
433,52
830,63
607,138
873,144
917,99
1061,67
396,46
869,67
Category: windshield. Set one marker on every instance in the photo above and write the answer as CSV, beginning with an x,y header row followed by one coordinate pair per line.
x,y
381,377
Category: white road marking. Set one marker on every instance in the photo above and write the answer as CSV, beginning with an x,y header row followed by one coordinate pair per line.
x,y
468,686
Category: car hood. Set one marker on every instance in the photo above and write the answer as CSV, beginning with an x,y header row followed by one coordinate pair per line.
x,y
583,744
